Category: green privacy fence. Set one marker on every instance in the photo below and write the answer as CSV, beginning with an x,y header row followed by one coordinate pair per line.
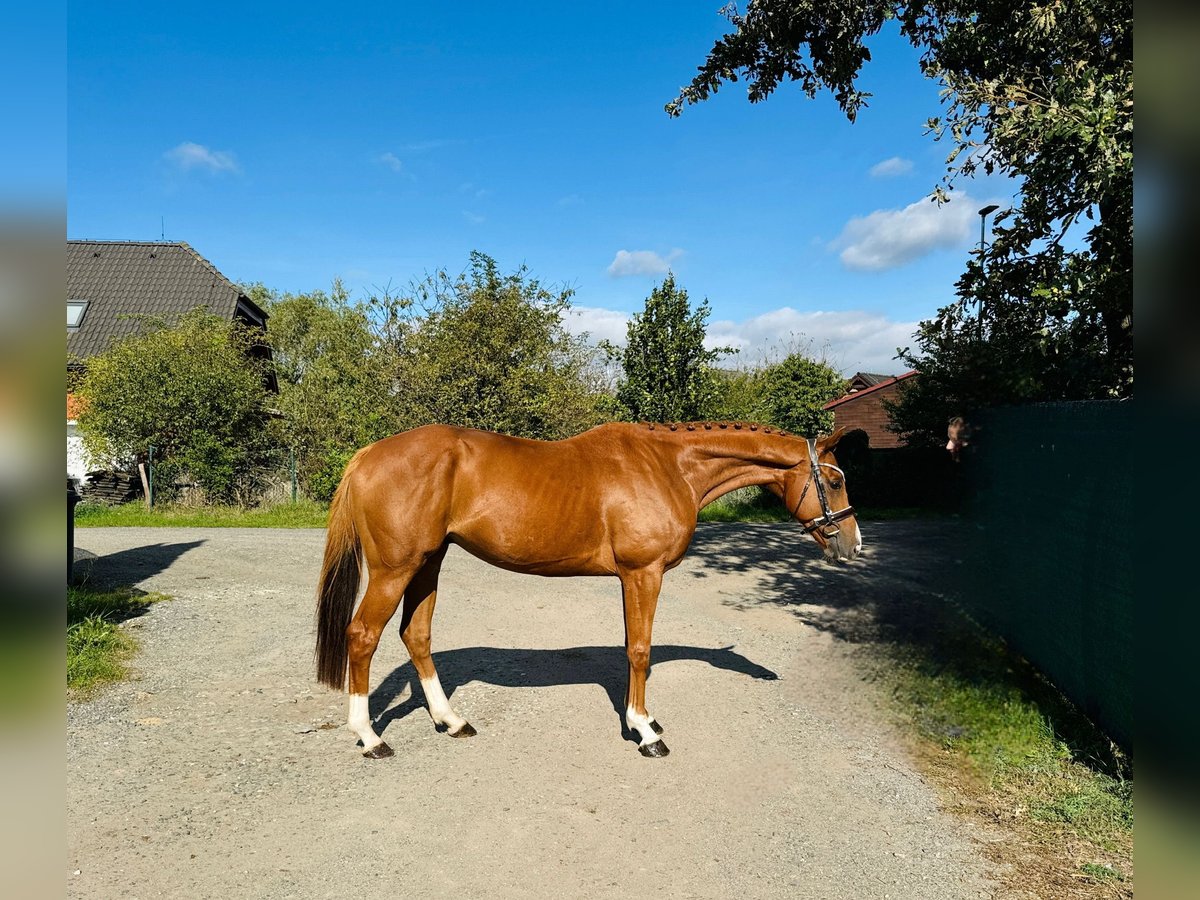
x,y
915,477
1047,556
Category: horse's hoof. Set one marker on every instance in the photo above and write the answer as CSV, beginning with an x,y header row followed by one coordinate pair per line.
x,y
658,729
657,750
379,751
465,731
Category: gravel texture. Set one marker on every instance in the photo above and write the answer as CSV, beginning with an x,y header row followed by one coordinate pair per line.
x,y
222,769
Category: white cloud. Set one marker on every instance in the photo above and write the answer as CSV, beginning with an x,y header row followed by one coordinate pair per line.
x,y
188,156
852,341
599,324
473,218
392,161
888,238
570,200
642,262
891,167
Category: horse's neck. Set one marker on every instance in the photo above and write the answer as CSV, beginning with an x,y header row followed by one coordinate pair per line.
x,y
716,463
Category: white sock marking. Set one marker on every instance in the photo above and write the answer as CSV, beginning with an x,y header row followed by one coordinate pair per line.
x,y
359,721
439,706
641,724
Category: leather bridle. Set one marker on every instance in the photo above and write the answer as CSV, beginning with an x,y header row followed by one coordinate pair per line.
x,y
827,521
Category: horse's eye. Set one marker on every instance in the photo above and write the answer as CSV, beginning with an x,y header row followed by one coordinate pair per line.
x,y
837,485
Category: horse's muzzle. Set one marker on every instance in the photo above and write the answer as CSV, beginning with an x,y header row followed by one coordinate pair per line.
x,y
843,546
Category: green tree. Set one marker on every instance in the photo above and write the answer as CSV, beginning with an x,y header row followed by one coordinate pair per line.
x,y
794,391
667,373
739,395
335,380
194,392
788,393
487,350
1042,92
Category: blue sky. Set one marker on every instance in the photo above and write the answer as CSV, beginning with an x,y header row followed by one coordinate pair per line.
x,y
292,144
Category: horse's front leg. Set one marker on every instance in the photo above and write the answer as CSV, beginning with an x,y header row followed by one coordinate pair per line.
x,y
640,592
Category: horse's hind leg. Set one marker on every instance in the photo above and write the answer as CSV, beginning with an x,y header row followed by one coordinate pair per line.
x,y
379,603
419,602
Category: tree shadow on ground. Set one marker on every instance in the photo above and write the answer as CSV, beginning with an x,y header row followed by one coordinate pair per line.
x,y
126,567
513,667
898,600
854,602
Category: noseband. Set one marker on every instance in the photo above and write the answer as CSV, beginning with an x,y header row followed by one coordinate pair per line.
x,y
827,521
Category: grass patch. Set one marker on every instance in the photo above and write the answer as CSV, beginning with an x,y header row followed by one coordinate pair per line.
x,y
303,514
98,649
753,504
1101,873
745,505
1013,747
1008,739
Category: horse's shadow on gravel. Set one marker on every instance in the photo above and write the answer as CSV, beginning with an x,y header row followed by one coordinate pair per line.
x,y
510,667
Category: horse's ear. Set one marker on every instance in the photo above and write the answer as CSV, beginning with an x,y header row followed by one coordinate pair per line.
x,y
828,443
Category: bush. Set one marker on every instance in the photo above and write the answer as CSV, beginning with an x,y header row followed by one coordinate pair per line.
x,y
491,352
324,477
193,392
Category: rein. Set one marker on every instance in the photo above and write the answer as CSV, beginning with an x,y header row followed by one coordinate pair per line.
x,y
827,521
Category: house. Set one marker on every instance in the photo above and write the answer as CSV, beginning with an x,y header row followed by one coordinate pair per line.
x,y
110,284
861,407
77,458
863,380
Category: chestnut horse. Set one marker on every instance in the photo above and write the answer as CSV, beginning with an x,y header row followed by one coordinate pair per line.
x,y
620,499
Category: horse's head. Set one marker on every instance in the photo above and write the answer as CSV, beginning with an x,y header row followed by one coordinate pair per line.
x,y
815,494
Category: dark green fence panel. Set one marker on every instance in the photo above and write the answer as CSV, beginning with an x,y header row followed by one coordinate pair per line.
x,y
920,477
1047,556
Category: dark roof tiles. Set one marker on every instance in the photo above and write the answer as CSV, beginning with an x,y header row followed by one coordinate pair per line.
x,y
871,378
854,395
121,280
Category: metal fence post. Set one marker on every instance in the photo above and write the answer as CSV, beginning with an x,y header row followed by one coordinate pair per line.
x,y
292,465
72,499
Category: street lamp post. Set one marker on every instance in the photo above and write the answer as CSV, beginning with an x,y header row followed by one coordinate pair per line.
x,y
983,214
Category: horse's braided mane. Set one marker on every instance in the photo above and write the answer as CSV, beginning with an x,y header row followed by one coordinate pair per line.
x,y
720,426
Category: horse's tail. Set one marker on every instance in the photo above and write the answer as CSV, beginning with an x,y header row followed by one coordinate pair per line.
x,y
339,584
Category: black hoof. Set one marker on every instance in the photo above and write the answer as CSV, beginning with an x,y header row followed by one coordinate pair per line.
x,y
657,749
658,729
465,731
379,751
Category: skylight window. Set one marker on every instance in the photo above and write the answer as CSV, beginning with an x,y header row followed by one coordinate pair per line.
x,y
75,311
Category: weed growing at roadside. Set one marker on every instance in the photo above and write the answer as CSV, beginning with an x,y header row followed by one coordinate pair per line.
x,y
1041,767
97,647
1101,873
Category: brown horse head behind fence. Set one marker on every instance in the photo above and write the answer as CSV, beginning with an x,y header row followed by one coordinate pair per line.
x,y
620,499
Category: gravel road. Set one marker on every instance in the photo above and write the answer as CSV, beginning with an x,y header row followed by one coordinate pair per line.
x,y
222,769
